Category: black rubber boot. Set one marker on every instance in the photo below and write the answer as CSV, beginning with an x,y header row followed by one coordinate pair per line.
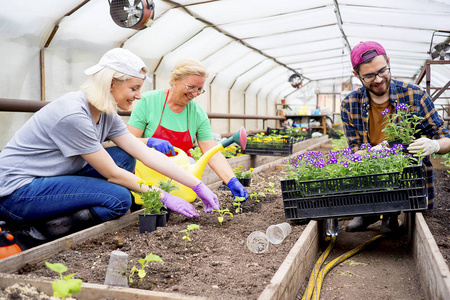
x,y
389,225
46,231
361,223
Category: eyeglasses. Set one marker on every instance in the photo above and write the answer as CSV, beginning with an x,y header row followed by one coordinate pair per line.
x,y
189,88
371,77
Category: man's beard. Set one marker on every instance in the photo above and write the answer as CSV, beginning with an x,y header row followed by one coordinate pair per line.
x,y
379,92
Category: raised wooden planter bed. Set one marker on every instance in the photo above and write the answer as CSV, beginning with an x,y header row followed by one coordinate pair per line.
x,y
285,284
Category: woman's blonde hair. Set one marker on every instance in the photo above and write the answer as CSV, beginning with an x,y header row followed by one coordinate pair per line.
x,y
98,89
185,67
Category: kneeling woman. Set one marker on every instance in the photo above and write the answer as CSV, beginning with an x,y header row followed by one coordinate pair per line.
x,y
56,177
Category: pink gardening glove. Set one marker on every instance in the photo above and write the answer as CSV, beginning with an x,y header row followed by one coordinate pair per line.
x,y
179,205
207,196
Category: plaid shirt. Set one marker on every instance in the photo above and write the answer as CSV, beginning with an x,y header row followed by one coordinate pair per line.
x,y
355,117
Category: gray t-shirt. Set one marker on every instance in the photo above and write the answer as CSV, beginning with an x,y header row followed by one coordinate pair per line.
x,y
50,143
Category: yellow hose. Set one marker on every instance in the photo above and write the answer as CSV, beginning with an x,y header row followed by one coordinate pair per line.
x,y
313,277
315,290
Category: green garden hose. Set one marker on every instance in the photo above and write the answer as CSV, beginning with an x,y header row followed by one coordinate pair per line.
x,y
316,278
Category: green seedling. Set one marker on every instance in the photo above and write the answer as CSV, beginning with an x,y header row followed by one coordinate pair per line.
x,y
237,203
187,233
65,286
420,157
222,214
144,261
256,195
270,189
151,198
167,186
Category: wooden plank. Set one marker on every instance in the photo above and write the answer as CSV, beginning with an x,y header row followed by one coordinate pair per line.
x,y
90,291
40,253
432,269
287,281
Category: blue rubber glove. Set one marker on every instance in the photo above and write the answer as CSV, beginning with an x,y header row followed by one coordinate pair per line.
x,y
237,189
179,205
208,198
162,146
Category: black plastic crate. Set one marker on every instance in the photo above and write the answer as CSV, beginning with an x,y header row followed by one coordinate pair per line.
x,y
270,149
358,195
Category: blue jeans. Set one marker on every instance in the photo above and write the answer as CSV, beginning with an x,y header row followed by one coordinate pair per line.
x,y
49,197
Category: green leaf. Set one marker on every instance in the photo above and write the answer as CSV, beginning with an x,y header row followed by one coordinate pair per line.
x,y
153,257
193,227
74,285
57,267
60,289
142,274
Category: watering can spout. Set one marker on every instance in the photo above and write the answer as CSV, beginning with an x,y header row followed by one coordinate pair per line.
x,y
239,138
196,169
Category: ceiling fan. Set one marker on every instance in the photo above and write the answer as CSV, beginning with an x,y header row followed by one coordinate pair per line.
x,y
135,14
440,51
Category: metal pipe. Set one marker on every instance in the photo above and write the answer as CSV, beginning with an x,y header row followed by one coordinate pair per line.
x,y
15,105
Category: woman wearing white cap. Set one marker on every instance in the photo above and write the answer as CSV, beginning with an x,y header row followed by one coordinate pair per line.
x,y
55,175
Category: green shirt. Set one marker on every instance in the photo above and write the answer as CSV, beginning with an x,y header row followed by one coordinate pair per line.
x,y
147,113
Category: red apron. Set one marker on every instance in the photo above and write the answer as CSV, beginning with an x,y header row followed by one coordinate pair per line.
x,y
178,139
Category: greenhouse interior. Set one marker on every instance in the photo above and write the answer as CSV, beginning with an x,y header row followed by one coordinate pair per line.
x,y
285,72
249,48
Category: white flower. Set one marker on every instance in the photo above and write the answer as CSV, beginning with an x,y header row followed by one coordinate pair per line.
x,y
316,134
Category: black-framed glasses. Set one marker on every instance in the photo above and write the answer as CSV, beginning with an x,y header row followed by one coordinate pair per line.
x,y
371,77
189,88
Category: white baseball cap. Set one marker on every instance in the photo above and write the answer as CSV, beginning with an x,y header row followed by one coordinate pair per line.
x,y
120,60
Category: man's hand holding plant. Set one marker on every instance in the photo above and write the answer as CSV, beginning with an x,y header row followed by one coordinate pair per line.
x,y
426,145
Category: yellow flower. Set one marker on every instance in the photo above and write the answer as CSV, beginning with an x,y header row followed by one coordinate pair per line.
x,y
141,181
251,169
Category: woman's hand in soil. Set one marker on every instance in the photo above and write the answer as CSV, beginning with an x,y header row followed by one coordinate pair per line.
x,y
237,189
207,196
179,205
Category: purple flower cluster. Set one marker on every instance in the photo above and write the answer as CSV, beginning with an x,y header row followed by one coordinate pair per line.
x,y
316,165
402,106
384,112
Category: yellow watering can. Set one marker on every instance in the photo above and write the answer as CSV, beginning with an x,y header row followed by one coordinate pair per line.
x,y
181,158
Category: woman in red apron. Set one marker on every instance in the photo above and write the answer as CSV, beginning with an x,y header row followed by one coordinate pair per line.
x,y
187,80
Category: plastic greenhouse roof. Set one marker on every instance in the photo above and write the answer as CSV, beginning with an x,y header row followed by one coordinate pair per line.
x,y
248,46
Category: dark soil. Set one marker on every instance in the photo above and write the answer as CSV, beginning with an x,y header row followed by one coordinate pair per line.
x,y
217,264
438,218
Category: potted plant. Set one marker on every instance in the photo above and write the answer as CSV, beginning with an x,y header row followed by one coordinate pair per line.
x,y
163,217
400,126
244,176
152,207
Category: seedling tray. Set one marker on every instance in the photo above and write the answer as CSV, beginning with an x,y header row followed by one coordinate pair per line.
x,y
358,195
283,131
270,149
